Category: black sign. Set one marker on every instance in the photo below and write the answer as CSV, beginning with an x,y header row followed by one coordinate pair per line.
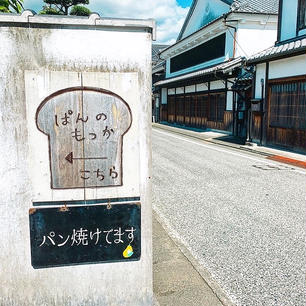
x,y
84,235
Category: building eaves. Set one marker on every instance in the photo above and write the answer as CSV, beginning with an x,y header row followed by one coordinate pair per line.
x,y
156,49
159,67
207,25
225,16
224,67
282,50
238,6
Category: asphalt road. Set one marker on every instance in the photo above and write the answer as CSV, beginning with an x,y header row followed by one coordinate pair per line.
x,y
241,216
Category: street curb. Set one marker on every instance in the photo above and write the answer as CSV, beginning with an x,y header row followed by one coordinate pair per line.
x,y
204,273
288,161
209,140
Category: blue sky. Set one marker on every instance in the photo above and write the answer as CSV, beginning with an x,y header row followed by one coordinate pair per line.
x,y
169,14
184,3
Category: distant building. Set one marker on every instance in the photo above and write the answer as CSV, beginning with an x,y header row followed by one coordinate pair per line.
x,y
279,104
158,73
205,84
158,64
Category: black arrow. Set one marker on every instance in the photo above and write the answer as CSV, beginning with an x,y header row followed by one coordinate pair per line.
x,y
70,158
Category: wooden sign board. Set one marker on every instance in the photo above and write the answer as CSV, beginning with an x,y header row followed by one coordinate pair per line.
x,y
85,128
86,234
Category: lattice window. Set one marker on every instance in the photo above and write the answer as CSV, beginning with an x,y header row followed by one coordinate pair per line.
x,y
216,107
180,105
202,105
288,105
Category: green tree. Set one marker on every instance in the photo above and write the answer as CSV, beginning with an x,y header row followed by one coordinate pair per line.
x,y
79,10
4,6
63,6
48,10
11,6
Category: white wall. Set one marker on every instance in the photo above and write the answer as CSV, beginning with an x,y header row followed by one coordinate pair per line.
x,y
190,88
217,85
260,74
254,38
229,101
179,90
35,61
205,12
171,91
202,87
288,67
164,94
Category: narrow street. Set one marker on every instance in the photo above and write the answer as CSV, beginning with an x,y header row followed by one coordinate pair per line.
x,y
241,217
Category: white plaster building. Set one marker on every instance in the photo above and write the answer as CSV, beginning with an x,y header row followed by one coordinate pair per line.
x,y
280,82
207,59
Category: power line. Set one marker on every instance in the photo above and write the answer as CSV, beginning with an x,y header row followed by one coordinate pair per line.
x,y
237,42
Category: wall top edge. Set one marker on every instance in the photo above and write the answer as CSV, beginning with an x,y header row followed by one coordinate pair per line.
x,y
30,17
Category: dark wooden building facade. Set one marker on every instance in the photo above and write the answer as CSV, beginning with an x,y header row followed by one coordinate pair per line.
x,y
203,108
279,109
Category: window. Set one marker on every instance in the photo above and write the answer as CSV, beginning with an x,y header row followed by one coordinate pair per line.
x,y
301,22
207,51
216,107
288,105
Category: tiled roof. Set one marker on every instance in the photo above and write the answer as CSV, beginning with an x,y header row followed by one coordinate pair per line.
x,y
156,49
279,50
159,67
223,67
255,6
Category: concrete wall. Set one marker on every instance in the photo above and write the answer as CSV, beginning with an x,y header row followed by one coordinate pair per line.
x,y
40,55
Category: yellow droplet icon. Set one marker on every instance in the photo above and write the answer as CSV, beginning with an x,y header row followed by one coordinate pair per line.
x,y
128,252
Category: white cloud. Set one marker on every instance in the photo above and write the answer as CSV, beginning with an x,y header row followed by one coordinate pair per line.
x,y
168,14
